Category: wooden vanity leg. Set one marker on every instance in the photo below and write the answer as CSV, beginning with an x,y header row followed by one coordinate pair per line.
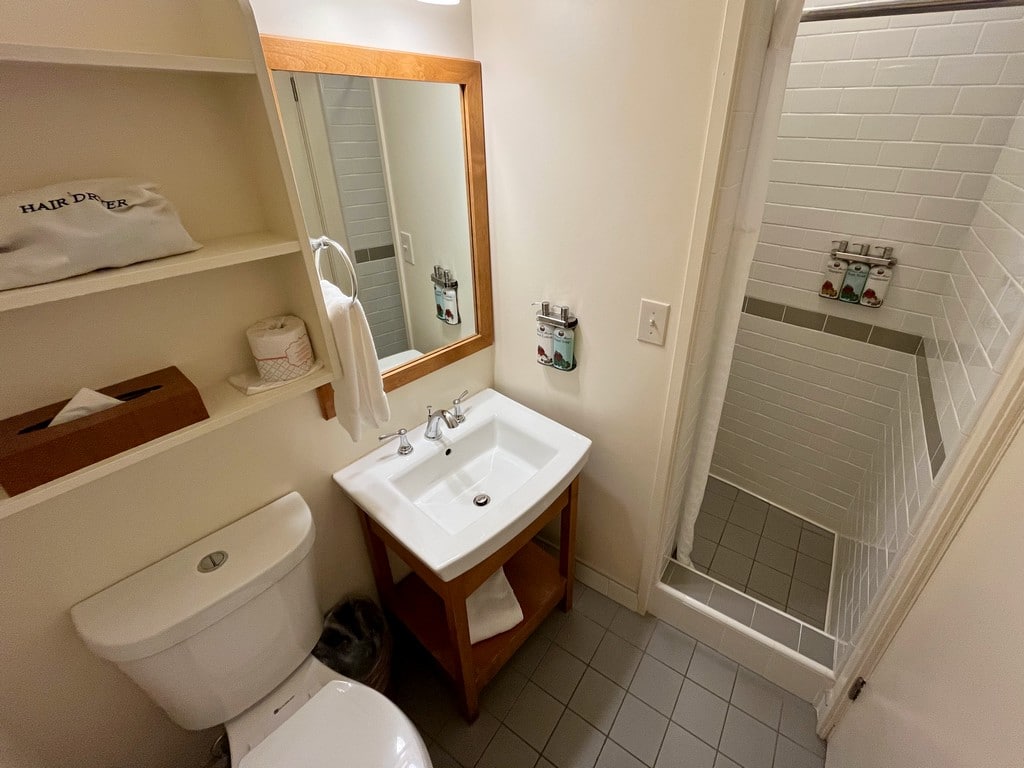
x,y
458,631
567,548
378,562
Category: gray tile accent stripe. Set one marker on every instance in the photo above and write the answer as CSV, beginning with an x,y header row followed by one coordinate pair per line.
x,y
378,253
761,618
870,334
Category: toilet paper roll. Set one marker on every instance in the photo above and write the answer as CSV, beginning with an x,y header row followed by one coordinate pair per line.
x,y
280,347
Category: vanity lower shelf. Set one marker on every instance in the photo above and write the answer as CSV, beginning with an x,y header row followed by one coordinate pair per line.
x,y
538,585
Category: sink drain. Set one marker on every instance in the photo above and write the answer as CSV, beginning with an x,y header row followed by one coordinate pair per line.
x,y
481,499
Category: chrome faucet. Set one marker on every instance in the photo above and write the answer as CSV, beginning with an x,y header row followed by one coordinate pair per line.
x,y
433,430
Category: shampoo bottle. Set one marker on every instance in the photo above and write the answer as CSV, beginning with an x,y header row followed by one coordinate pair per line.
x,y
438,293
876,286
545,343
450,299
832,277
853,283
564,357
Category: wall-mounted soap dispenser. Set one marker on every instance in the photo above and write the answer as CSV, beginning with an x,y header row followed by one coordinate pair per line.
x,y
446,295
556,336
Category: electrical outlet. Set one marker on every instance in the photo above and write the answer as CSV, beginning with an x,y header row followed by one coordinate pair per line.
x,y
405,240
653,322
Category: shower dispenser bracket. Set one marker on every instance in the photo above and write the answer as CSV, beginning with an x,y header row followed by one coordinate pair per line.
x,y
857,273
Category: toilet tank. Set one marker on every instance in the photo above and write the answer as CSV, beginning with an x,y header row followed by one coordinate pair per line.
x,y
208,636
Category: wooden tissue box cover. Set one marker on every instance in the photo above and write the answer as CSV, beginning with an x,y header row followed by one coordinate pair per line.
x,y
162,402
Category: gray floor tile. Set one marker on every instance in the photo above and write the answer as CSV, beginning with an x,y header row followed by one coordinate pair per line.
x,y
713,671
556,620
672,647
749,500
816,529
808,601
799,722
758,698
614,756
737,585
768,582
595,606
776,626
529,655
733,604
703,550
811,571
700,712
721,761
747,741
656,685
575,743
616,659
507,750
773,554
534,716
739,540
439,757
597,700
782,527
544,763
732,564
467,742
558,673
816,545
693,584
722,488
501,693
766,600
631,626
708,526
580,636
791,755
426,699
747,517
639,728
682,748
716,506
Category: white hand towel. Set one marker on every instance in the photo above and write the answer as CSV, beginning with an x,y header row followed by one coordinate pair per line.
x,y
492,608
358,389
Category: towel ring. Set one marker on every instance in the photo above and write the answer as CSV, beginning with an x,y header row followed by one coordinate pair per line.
x,y
318,244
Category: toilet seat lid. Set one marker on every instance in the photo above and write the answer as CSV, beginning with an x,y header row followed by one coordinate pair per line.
x,y
344,724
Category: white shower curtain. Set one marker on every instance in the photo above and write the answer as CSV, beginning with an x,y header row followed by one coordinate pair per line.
x,y
742,243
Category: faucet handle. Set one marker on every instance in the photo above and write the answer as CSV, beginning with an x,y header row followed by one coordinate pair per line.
x,y
457,406
404,448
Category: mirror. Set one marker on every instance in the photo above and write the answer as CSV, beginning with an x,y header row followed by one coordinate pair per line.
x,y
387,150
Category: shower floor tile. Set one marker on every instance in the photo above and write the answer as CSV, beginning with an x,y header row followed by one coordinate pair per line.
x,y
767,552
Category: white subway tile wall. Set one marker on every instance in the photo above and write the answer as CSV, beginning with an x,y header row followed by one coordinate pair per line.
x,y
380,294
355,149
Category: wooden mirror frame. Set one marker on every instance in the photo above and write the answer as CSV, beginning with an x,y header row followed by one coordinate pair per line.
x,y
298,55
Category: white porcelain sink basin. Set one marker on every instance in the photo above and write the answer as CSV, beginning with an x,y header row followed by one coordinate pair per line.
x,y
518,458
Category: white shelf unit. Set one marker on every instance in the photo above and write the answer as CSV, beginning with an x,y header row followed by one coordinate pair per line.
x,y
195,122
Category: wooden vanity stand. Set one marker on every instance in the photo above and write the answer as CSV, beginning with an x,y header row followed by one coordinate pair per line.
x,y
435,610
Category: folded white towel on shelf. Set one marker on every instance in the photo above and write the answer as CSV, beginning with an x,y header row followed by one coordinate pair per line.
x,y
358,389
492,608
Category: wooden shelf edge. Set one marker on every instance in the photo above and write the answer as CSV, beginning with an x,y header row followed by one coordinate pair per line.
x,y
215,254
226,406
538,585
143,60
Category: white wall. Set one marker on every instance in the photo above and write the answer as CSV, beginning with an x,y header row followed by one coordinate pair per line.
x,y
947,690
61,702
426,155
596,124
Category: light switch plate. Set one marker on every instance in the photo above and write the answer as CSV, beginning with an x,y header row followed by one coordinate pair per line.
x,y
653,322
405,240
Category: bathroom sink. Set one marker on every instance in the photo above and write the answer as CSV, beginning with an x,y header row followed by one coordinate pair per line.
x,y
454,501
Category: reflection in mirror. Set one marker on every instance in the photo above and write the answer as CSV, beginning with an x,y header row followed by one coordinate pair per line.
x,y
381,168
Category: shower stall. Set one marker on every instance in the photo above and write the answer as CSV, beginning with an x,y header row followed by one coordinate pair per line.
x,y
822,428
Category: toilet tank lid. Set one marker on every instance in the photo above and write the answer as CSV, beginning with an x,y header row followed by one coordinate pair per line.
x,y
172,599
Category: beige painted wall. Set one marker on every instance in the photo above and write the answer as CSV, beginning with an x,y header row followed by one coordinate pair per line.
x,y
596,122
947,691
426,165
61,705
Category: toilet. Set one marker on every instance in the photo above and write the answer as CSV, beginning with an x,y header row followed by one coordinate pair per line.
x,y
221,632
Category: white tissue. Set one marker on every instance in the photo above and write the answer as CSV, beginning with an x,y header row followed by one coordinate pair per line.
x,y
85,402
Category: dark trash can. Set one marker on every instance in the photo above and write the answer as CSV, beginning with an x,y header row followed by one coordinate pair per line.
x,y
356,642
